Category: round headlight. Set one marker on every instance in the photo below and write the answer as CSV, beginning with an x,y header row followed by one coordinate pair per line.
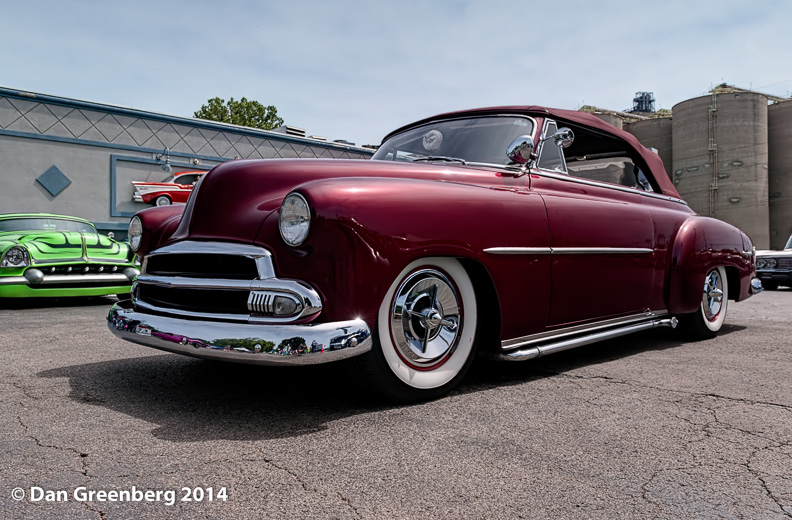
x,y
771,263
135,233
761,263
16,256
295,219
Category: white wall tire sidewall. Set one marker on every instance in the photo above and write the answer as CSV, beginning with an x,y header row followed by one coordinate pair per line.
x,y
717,323
426,380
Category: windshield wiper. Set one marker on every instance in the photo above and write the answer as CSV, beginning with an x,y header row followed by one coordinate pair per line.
x,y
439,158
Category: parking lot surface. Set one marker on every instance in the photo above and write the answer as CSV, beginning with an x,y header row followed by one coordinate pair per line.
x,y
644,426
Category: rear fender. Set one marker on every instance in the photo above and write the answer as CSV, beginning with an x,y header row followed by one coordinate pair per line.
x,y
702,244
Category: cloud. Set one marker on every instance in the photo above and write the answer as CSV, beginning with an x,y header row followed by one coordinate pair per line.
x,y
356,70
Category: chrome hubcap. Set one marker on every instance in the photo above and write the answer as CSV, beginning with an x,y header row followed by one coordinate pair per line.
x,y
713,295
426,318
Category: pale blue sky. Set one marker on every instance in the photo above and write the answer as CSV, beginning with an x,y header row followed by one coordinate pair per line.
x,y
356,70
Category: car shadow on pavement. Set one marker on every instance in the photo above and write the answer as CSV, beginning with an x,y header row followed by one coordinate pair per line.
x,y
191,399
490,374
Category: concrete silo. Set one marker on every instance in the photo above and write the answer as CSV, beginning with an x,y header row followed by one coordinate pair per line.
x,y
779,125
655,133
610,118
720,159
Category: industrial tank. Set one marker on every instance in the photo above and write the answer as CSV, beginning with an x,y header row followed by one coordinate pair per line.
x,y
655,133
720,159
779,130
612,119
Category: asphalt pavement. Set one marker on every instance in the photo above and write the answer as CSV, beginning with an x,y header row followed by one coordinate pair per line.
x,y
644,426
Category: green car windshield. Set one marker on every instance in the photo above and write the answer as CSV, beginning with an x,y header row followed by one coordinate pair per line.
x,y
45,224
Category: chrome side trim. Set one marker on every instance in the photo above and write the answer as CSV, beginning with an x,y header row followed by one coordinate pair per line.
x,y
552,348
569,178
262,257
307,344
541,337
518,250
601,250
568,250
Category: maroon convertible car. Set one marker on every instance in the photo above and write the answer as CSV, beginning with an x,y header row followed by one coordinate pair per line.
x,y
512,232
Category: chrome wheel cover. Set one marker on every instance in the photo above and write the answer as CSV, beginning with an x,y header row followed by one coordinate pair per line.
x,y
712,300
426,319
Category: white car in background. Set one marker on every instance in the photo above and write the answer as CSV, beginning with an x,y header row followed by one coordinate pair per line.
x,y
774,268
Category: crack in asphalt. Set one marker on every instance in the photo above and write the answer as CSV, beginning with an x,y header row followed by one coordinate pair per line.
x,y
83,458
699,405
305,486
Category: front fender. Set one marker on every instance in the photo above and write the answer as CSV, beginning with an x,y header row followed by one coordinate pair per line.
x,y
702,244
159,223
365,231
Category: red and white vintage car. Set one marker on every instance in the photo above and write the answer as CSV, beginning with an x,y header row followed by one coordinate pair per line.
x,y
512,232
176,189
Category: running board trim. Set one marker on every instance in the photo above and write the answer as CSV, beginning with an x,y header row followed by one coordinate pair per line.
x,y
585,339
545,337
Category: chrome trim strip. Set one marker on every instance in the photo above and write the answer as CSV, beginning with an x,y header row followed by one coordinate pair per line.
x,y
262,257
601,250
568,250
214,340
570,178
518,250
579,329
543,350
44,262
65,278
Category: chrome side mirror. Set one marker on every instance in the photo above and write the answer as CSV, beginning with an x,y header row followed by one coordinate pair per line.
x,y
521,150
564,137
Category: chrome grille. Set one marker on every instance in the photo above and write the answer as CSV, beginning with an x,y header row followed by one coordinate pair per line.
x,y
220,281
203,266
785,263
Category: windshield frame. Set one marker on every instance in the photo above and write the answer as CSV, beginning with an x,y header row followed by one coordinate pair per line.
x,y
90,227
462,161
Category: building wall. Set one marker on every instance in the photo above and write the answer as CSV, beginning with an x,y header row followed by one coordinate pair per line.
x,y
98,150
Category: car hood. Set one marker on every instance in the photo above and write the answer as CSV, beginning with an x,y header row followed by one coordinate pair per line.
x,y
67,246
786,253
233,200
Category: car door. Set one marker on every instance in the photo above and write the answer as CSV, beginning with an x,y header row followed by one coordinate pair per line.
x,y
602,242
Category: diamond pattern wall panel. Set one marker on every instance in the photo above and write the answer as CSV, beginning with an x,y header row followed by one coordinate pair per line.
x,y
53,180
8,113
43,118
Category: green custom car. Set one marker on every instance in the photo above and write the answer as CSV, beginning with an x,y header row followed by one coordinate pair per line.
x,y
43,255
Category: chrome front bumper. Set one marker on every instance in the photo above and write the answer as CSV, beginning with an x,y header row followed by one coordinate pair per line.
x,y
259,344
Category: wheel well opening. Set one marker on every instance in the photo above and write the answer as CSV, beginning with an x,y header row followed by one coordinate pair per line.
x,y
489,318
733,279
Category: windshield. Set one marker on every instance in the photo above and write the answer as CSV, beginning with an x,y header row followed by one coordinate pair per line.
x,y
789,244
45,224
480,139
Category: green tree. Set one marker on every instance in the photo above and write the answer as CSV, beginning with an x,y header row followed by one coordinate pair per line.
x,y
243,112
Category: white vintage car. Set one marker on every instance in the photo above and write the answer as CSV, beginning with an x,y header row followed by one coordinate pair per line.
x,y
774,268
